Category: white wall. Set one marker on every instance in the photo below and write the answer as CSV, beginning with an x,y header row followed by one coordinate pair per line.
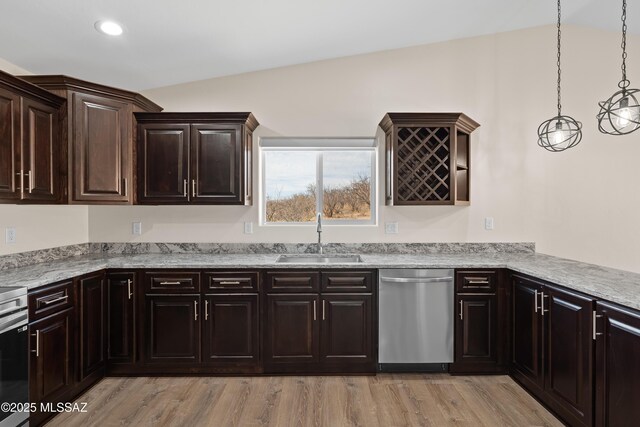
x,y
40,227
580,204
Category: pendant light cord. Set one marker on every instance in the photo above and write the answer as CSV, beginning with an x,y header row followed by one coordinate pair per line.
x,y
559,70
624,83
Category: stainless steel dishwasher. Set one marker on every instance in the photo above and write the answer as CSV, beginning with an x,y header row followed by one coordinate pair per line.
x,y
415,319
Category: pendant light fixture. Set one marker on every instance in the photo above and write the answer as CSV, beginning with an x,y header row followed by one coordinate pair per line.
x,y
560,132
620,114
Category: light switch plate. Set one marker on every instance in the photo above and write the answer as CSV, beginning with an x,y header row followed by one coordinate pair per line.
x,y
488,223
136,228
248,228
10,235
391,228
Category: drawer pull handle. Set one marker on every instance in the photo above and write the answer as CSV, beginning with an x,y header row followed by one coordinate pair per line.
x,y
193,188
314,311
37,350
55,300
206,309
229,282
195,310
535,301
595,325
169,283
542,310
461,310
184,189
129,283
323,310
478,282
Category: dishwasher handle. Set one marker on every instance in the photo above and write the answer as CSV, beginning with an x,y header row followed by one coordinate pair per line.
x,y
415,279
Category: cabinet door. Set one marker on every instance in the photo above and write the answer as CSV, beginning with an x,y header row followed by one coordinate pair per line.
x,y
9,145
173,329
526,361
121,297
568,367
476,331
163,163
347,329
92,324
231,329
51,366
216,164
292,329
101,149
40,152
617,366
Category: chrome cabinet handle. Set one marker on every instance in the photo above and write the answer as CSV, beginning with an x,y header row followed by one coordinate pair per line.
x,y
30,187
169,283
323,310
37,350
126,187
20,174
478,282
129,283
184,188
461,315
193,188
235,282
535,301
206,309
415,280
314,310
195,310
542,310
55,300
595,325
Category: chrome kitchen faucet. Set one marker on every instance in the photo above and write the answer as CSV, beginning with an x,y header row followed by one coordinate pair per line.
x,y
319,230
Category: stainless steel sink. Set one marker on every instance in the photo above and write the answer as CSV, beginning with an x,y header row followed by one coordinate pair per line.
x,y
319,259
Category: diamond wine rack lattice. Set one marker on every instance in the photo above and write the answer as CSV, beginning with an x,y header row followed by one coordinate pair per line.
x,y
427,158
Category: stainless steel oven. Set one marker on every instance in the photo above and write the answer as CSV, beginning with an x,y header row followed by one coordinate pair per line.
x,y
14,355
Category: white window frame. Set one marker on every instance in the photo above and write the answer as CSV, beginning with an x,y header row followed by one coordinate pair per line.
x,y
320,144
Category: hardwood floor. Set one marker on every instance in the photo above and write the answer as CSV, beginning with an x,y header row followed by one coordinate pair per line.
x,y
384,400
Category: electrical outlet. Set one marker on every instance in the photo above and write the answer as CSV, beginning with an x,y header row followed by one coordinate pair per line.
x,y
391,228
488,223
136,228
248,228
10,235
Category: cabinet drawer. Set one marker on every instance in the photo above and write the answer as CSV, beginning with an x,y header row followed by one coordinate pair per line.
x,y
51,299
172,282
293,281
347,281
232,281
476,281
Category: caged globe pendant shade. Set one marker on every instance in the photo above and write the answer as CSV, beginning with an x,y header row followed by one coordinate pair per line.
x,y
560,132
620,114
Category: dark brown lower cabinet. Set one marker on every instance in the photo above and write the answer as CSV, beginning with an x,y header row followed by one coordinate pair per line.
x,y
292,330
553,348
121,331
92,322
172,329
317,332
347,330
52,360
231,332
617,366
476,330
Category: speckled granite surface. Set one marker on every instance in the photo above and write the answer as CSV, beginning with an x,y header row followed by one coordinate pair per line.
x,y
606,283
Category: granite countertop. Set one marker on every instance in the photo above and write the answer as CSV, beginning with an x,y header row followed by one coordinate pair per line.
x,y
613,285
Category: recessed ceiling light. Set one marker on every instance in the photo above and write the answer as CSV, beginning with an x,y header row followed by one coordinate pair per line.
x,y
109,27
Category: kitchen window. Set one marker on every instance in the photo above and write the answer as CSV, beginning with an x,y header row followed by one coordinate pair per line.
x,y
302,177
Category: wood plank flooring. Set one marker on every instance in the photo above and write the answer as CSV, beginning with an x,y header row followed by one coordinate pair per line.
x,y
384,400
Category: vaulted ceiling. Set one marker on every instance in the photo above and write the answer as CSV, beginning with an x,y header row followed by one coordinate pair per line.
x,y
173,41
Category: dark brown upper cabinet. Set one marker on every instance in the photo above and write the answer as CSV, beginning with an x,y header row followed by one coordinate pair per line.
x,y
98,133
427,158
30,149
195,158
